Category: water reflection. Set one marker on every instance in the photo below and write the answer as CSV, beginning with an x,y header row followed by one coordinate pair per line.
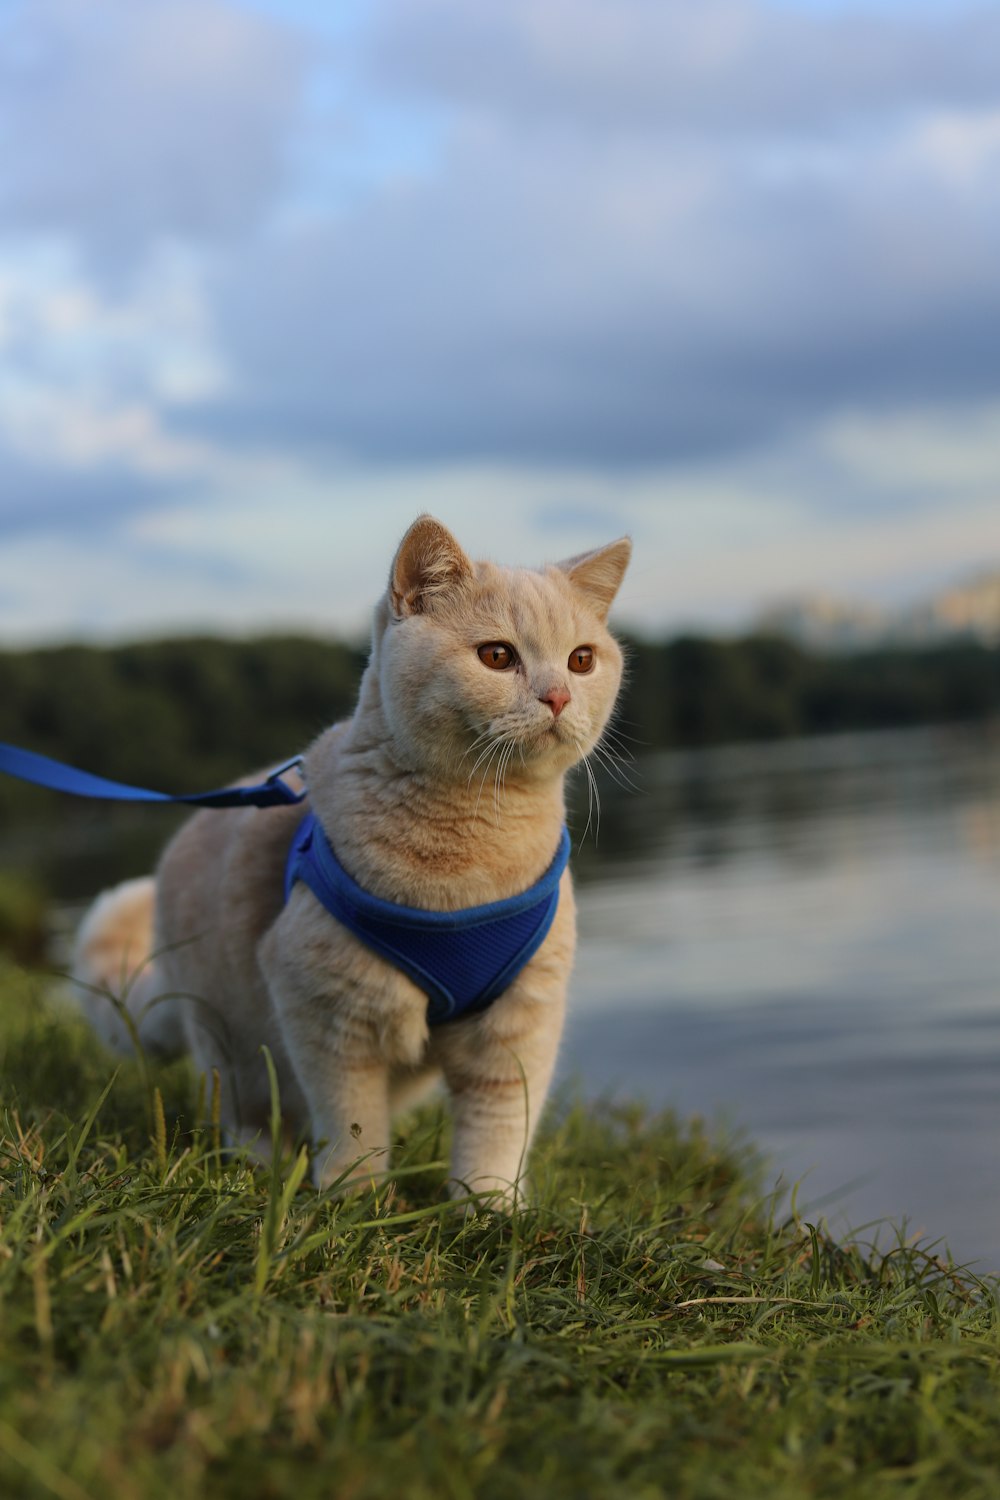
x,y
804,939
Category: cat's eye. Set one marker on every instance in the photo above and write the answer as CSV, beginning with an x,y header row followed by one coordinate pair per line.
x,y
497,655
582,659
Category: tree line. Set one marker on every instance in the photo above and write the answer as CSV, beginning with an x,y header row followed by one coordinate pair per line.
x,y
190,713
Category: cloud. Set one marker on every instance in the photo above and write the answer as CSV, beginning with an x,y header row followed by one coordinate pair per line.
x,y
88,382
126,123
46,500
644,233
560,300
921,452
652,65
261,544
724,275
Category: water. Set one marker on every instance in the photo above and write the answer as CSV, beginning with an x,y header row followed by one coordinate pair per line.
x,y
803,941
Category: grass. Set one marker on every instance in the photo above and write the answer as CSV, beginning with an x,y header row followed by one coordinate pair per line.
x,y
24,912
173,1322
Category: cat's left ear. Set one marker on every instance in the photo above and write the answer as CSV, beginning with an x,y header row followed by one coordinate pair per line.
x,y
598,574
428,563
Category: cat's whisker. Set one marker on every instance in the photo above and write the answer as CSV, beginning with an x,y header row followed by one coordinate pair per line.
x,y
495,748
611,770
593,800
487,734
609,758
485,759
505,760
503,747
498,783
633,739
497,739
613,738
484,755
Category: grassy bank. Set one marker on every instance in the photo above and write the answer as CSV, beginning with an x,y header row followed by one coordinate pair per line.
x,y
175,1324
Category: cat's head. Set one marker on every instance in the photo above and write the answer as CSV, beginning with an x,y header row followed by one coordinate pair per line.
x,y
480,665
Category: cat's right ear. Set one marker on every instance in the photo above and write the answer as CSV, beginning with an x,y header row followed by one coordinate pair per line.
x,y
428,563
598,574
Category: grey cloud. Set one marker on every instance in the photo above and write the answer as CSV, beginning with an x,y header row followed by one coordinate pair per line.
x,y
124,122
515,309
42,498
569,517
607,263
742,64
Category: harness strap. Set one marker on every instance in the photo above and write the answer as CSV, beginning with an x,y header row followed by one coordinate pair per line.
x,y
26,765
462,960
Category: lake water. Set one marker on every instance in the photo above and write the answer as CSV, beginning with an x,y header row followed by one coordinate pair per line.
x,y
802,942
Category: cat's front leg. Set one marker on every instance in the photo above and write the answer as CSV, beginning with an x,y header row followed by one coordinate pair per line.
x,y
345,1079
346,1085
345,1032
351,1121
498,1068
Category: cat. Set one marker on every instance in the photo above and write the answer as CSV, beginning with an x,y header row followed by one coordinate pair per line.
x,y
443,791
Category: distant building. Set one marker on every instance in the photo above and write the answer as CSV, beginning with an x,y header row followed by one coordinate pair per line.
x,y
970,609
820,623
824,624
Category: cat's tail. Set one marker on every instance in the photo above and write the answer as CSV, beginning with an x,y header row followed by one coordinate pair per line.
x,y
116,976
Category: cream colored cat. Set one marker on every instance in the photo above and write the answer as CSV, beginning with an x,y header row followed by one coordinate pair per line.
x,y
443,791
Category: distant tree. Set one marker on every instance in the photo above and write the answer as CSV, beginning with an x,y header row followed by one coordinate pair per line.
x,y
189,713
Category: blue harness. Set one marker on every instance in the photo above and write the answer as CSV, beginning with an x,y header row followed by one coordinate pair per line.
x,y
462,960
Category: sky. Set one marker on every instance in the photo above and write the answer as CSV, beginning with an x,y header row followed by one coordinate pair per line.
x,y
276,276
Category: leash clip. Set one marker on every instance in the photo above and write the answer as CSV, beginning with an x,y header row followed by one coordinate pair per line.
x,y
295,764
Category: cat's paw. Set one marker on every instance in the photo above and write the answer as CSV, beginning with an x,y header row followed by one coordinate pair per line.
x,y
496,1197
336,1172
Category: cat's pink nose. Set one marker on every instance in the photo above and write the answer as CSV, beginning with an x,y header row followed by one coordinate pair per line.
x,y
557,699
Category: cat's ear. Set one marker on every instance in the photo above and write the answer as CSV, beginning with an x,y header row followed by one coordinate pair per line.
x,y
428,563
598,574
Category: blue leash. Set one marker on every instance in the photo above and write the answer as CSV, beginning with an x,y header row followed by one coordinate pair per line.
x,y
26,765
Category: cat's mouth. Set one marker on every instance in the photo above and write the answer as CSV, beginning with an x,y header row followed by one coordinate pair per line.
x,y
555,732
537,739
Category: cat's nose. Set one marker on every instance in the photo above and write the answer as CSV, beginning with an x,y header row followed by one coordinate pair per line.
x,y
557,699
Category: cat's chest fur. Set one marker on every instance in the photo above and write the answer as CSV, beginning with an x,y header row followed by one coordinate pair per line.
x,y
419,840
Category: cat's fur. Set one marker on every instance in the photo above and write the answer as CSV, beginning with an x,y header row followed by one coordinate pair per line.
x,y
444,790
